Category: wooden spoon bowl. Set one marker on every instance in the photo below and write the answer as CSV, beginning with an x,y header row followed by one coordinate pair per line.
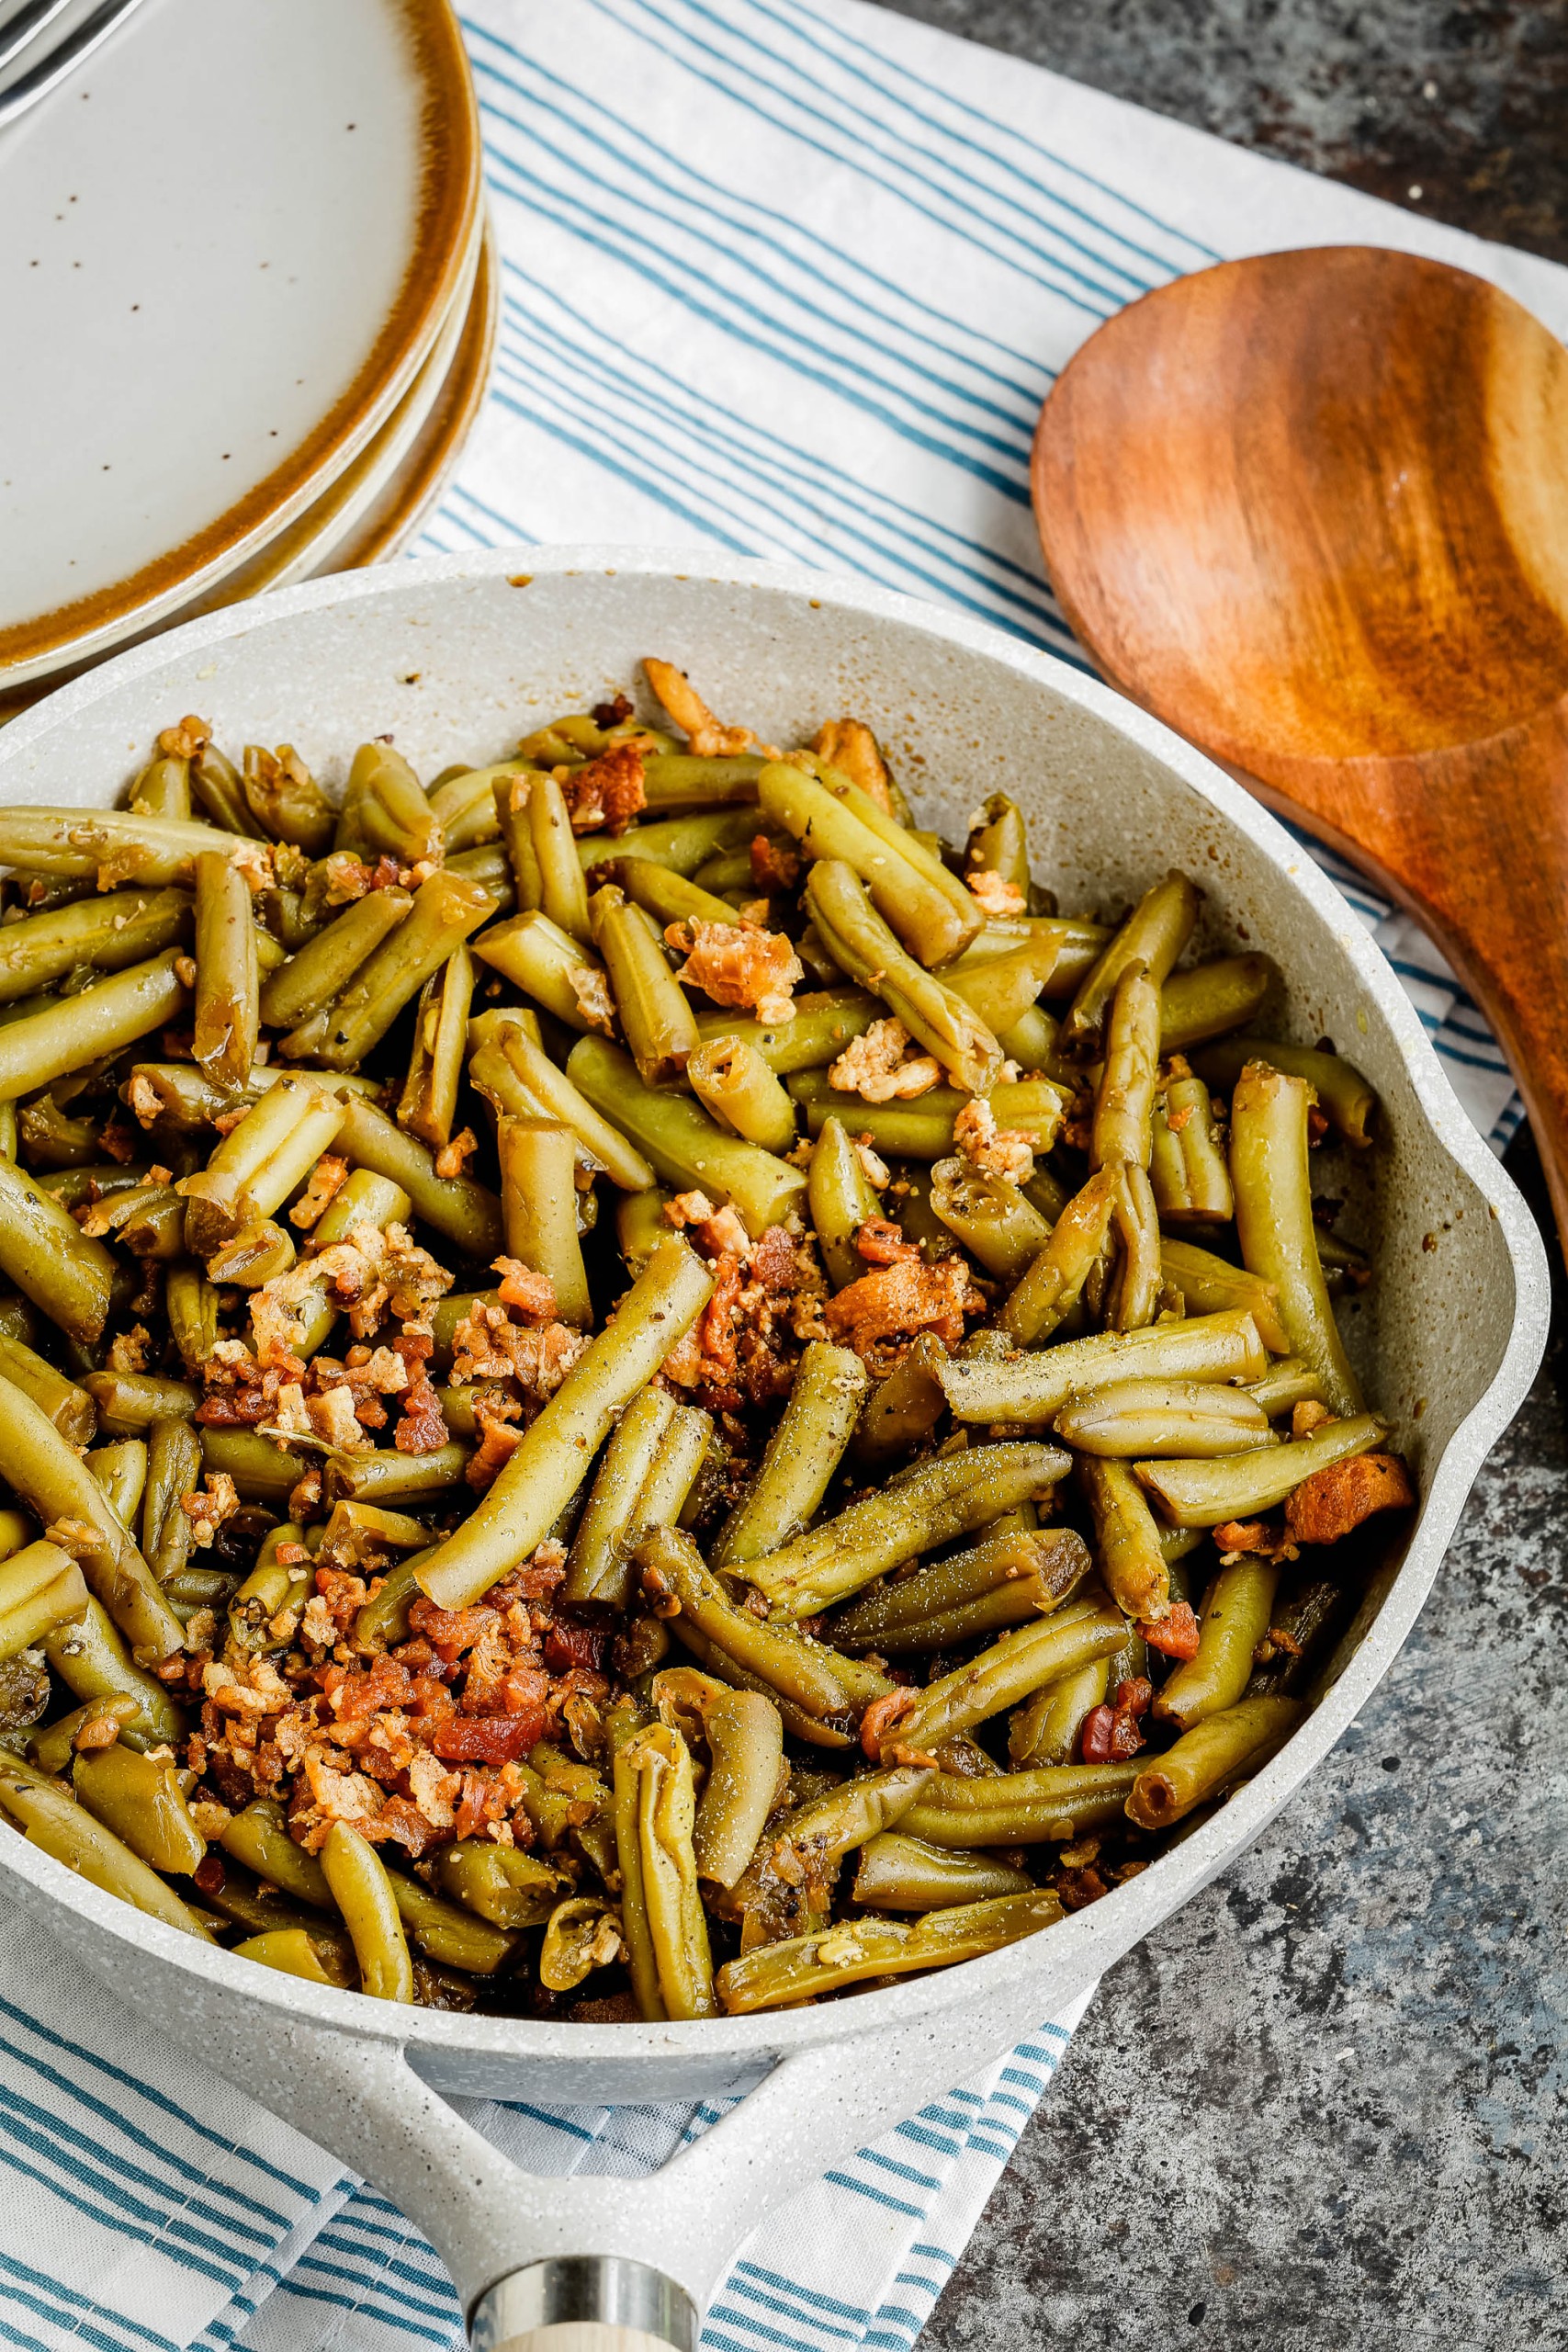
x,y
1311,509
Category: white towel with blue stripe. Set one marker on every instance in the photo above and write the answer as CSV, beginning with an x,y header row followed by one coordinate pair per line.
x,y
788,278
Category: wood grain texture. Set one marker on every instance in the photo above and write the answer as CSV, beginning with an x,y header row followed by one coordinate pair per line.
x,y
1311,509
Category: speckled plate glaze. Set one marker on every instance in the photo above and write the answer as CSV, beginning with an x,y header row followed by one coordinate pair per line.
x,y
231,243
1447,1339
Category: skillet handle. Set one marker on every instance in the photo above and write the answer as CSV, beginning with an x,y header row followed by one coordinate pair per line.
x,y
584,2303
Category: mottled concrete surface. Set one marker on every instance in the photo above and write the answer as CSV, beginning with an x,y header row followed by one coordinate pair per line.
x,y
1325,2105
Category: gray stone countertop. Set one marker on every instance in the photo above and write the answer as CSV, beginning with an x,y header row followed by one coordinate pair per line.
x,y
1325,2106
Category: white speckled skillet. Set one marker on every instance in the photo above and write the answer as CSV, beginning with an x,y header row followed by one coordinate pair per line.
x,y
456,657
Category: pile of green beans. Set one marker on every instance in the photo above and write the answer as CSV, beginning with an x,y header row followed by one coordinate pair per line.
x,y
951,1474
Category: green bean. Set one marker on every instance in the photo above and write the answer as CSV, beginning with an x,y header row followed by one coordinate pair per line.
x,y
999,843
991,1218
903,892
1236,1613
510,801
937,1501
661,1764
288,1950
15,1529
1054,1282
834,1823
149,1218
260,1162
816,1731
1034,1105
138,1798
428,1103
1210,1759
108,845
902,1410
790,1665
563,895
654,1013
163,788
1163,1416
121,1469
1212,998
262,1472
666,897
805,1449
537,1161
1154,935
53,1748
624,1729
745,1736
536,956
384,810
41,1589
922,851
466,804
805,1966
686,1147
677,780
446,1932
1273,1221
383,1476
56,1485
445,908
1134,1296
1123,1101
499,1884
463,1211
1045,1729
671,1475
93,1662
549,1464
17,1320
363,1890
1203,1494
1186,1164
1027,1391
1003,989
1078,944
1287,1383
258,1837
228,1009
1030,1042
1210,1285
92,1025
327,964
272,1595
514,1074
488,867
285,800
901,1873
1050,1805
825,1021
255,1255
217,785
130,1402
683,844
1005,1581
861,944
190,1303
61,1827
999,1677
731,1078
103,934
641,1224
1127,1544
69,1406
600,1552
1346,1099
841,1200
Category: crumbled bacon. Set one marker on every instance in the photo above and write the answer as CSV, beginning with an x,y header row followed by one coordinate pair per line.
x,y
1258,1537
207,1510
1334,1501
497,1444
878,1314
848,745
328,1178
704,736
606,792
422,1426
773,866
736,963
880,1067
454,1157
881,1243
186,742
1175,1633
533,1295
997,894
486,1345
1007,1152
595,1002
714,1231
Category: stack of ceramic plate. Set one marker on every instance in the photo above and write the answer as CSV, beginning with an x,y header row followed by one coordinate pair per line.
x,y
249,301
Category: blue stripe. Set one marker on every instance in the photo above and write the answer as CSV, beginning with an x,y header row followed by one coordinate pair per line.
x,y
856,2311
876,2196
109,2220
53,2295
293,2285
904,2172
52,2140
943,2142
756,2328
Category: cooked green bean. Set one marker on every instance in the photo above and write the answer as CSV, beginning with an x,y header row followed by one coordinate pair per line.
x,y
54,1822
1203,1494
902,1874
140,1799
1290,1382
463,1211
363,1890
1154,935
385,1475
1234,1619
999,1677
1210,1759
228,1009
260,1162
922,1128
1123,1101
538,956
95,1025
999,843
101,934
1212,1285
1212,998
289,1949
121,1469
677,780
262,1472
563,894
745,1737
1005,1580
93,1661
41,1589
601,1551
1004,989
805,1966
328,963
683,844
1054,1282
666,897
538,1160
1160,1417
107,845
466,804
731,1078
1050,1805
130,1402
445,908
660,1765
825,1021
1273,1220
266,1608
1134,1295
791,1665
625,1728
218,785
500,1884
1344,1098
428,1103
1127,1544
901,889
903,1410
802,1455
862,945
384,810
655,1016
841,1199
920,851
69,1406
163,788
992,1218
1187,1162
54,1751
448,1933
686,1147
514,1074
1046,1728
1029,1390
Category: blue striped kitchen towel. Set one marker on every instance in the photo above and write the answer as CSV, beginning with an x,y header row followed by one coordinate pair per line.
x,y
789,277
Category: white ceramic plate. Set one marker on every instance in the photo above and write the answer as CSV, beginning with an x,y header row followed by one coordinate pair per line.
x,y
231,244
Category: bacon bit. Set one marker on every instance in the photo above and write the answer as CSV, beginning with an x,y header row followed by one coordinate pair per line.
x,y
120,1143
129,1352
881,1243
98,1732
1109,1736
422,1426
1175,1635
1308,1416
997,894
487,1739
207,1513
718,1232
737,965
595,1002
1327,1506
705,735
328,1178
606,792
187,741
575,1646
612,714
898,1301
487,1345
774,867
210,1876
452,1158
533,1295
883,1717
874,1168
1006,1152
848,745
1317,1123
880,1067
1257,1538
497,1444
1135,1697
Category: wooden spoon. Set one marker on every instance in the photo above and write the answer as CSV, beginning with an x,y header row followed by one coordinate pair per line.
x,y
1311,509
